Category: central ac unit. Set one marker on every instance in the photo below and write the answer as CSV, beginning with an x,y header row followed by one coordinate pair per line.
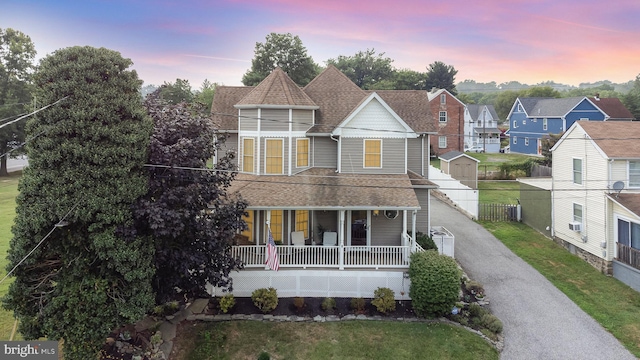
x,y
575,226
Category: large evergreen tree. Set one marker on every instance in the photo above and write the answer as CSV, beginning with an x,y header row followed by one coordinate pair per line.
x,y
85,168
285,51
441,76
187,210
17,53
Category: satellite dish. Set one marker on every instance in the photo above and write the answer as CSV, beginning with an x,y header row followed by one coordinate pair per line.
x,y
618,186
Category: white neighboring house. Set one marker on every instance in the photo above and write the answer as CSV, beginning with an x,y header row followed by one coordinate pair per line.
x,y
596,196
481,127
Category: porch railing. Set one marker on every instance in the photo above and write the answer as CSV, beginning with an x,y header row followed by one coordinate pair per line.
x,y
340,257
628,255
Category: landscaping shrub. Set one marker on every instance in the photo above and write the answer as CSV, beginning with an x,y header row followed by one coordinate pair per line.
x,y
328,304
476,311
298,302
384,300
435,283
358,305
491,323
426,241
227,302
265,299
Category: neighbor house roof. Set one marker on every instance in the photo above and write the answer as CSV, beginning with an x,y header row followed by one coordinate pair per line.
x,y
474,111
319,188
630,201
613,107
223,112
554,107
617,139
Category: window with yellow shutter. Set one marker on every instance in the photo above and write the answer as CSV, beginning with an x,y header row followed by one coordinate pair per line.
x,y
372,153
302,153
302,222
247,155
273,156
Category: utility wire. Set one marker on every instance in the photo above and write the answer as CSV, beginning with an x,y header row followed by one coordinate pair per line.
x,y
32,113
57,225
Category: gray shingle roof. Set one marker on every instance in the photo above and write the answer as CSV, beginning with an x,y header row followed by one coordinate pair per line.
x,y
277,89
617,139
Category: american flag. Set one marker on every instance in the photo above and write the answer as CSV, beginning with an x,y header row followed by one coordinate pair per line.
x,y
272,254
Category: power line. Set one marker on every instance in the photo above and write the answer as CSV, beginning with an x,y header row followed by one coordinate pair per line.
x,y
32,113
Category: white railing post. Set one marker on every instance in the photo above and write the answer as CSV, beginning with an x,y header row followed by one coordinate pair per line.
x,y
341,241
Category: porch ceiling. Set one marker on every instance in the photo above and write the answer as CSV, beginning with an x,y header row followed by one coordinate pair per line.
x,y
320,188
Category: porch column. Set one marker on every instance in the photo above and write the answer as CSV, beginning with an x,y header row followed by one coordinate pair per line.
x,y
404,226
341,241
414,214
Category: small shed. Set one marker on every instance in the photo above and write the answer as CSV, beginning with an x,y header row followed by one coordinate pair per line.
x,y
461,167
535,198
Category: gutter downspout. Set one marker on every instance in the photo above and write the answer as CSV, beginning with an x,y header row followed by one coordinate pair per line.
x,y
339,165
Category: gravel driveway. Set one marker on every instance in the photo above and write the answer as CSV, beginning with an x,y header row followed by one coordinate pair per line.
x,y
540,322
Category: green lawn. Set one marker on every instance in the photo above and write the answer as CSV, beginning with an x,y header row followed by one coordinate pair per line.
x,y
8,193
332,340
498,192
610,302
490,162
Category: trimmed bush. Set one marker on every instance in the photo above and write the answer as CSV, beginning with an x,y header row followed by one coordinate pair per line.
x,y
265,299
227,303
328,304
358,305
435,283
426,241
491,323
384,300
298,302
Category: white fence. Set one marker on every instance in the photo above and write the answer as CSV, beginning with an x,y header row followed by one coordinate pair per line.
x,y
462,195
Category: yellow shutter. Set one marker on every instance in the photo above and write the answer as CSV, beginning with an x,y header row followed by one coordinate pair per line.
x,y
247,155
302,153
373,153
273,163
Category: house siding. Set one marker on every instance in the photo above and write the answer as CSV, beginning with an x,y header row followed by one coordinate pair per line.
x,y
619,173
325,152
453,128
274,120
352,157
422,217
594,175
248,120
230,144
386,232
302,120
415,156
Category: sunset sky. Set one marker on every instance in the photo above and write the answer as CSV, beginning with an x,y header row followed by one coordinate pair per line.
x,y
529,41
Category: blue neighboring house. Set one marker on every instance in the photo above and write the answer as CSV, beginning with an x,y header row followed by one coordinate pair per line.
x,y
530,119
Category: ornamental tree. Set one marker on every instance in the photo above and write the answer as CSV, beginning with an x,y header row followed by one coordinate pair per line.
x,y
187,210
17,54
85,168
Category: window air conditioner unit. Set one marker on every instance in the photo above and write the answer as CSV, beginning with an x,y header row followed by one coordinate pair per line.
x,y
575,226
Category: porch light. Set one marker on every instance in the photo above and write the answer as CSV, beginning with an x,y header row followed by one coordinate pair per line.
x,y
376,212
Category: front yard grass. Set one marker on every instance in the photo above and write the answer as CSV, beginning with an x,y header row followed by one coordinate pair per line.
x,y
610,302
8,193
332,340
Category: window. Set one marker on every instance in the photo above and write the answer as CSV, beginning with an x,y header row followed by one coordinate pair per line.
x,y
515,139
629,233
273,156
577,171
544,124
526,141
443,98
515,124
577,213
247,155
520,108
276,225
442,142
443,116
302,222
634,174
249,220
524,121
372,153
302,152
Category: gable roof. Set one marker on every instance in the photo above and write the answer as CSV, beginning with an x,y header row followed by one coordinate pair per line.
x,y
616,139
454,154
554,107
223,112
474,111
436,95
336,95
613,107
412,106
277,89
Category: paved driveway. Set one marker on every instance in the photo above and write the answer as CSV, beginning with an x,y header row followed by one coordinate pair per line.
x,y
540,322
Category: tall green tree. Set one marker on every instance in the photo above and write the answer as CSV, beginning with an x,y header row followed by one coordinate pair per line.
x,y
441,76
405,79
86,168
188,211
632,99
17,54
366,68
285,51
541,91
177,92
205,94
